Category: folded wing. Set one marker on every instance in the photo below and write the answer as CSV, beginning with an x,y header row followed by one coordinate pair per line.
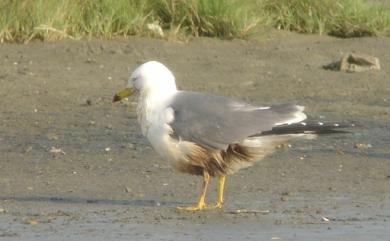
x,y
215,122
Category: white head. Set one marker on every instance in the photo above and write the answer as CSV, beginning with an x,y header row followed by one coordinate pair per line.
x,y
152,77
152,81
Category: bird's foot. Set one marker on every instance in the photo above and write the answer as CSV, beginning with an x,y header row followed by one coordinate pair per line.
x,y
196,207
217,205
200,206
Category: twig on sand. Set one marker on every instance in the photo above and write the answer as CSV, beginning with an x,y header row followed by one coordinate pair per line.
x,y
246,211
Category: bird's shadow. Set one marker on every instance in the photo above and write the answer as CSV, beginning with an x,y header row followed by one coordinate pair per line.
x,y
75,200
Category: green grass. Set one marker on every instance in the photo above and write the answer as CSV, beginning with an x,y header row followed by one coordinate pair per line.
x,y
216,18
25,20
344,18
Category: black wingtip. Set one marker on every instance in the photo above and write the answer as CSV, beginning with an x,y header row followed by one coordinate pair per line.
x,y
303,127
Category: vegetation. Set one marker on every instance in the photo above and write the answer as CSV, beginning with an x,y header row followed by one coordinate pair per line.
x,y
24,20
342,18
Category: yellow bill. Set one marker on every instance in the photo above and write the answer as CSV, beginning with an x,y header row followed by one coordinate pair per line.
x,y
123,94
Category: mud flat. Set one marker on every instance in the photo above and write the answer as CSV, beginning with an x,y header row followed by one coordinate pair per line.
x,y
74,166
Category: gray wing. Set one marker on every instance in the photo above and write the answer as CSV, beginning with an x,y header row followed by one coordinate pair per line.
x,y
216,121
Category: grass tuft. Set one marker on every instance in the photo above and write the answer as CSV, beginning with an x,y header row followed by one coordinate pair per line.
x,y
217,18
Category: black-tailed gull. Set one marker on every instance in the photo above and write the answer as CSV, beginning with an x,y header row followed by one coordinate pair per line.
x,y
210,135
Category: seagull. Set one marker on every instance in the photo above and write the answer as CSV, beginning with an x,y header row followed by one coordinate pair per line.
x,y
209,135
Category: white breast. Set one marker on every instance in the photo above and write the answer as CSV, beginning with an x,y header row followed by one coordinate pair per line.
x,y
154,119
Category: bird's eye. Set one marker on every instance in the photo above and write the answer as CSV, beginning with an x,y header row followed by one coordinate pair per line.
x,y
135,83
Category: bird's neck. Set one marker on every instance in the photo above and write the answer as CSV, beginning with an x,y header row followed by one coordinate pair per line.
x,y
151,106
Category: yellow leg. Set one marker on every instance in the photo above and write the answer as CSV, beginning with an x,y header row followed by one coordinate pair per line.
x,y
201,202
221,184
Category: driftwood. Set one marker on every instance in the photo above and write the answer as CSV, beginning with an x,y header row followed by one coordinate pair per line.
x,y
353,62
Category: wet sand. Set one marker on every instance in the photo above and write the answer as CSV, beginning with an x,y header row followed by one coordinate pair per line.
x,y
103,181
